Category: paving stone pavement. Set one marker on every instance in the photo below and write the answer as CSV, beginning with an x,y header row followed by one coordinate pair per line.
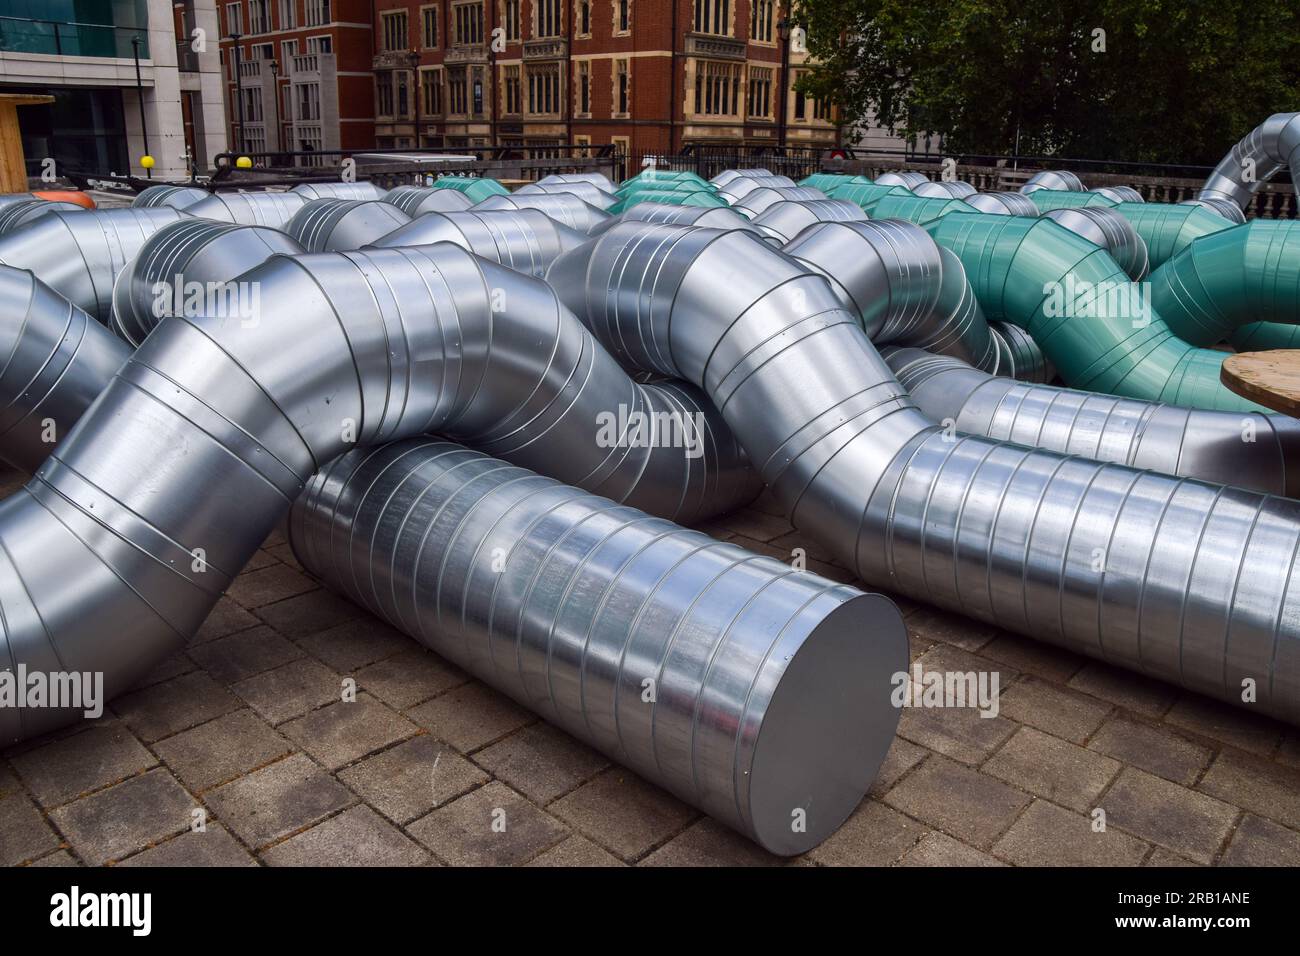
x,y
247,731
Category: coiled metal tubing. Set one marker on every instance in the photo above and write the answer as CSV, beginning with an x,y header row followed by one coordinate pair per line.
x,y
1180,579
78,253
417,200
273,209
755,692
526,240
1243,449
335,225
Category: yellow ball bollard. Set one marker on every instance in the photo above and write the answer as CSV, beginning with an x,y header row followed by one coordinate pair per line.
x,y
146,162
243,162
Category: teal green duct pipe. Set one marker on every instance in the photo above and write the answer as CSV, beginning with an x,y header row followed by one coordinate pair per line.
x,y
828,181
1265,336
1048,199
1230,278
913,208
1168,229
475,188
700,197
650,176
1081,308
866,195
664,186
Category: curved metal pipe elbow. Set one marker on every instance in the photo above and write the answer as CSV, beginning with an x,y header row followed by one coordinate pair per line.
x,y
1054,180
184,268
584,191
905,178
417,200
1146,571
1003,204
565,208
786,219
945,189
737,188
79,254
1241,449
179,197
1167,229
906,289
1248,273
362,191
1223,207
273,210
771,687
54,361
1267,149
1019,356
1119,193
757,201
15,215
599,180
1109,230
714,217
1096,326
337,225
525,240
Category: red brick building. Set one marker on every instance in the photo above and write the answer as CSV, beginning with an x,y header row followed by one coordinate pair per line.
x,y
647,75
304,74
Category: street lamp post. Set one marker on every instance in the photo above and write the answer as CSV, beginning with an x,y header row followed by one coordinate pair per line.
x,y
239,91
418,90
275,90
783,29
139,95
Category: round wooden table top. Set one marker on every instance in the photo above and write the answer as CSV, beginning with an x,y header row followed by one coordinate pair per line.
x,y
1270,378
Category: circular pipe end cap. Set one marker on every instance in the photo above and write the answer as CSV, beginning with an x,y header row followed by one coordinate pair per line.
x,y
828,726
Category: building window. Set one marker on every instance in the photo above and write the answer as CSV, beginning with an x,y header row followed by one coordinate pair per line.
x,y
713,16
431,92
762,12
259,16
512,91
584,18
394,30
544,89
288,14
805,107
307,106
622,88
548,18
584,87
288,50
234,19
717,88
262,51
622,16
510,19
457,92
383,94
252,104
402,82
318,12
760,92
467,20
429,27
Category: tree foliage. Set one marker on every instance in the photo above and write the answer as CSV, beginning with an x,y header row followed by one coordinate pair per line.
x,y
1140,80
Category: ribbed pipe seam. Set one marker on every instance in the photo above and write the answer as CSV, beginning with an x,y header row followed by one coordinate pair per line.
x,y
136,523
79,254
273,210
525,240
417,200
179,197
54,361
191,251
1019,355
1246,450
1088,318
1223,207
1052,179
337,225
1267,149
750,690
14,216
1142,570
906,289
1222,281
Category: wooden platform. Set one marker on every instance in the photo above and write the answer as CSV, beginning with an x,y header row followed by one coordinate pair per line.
x,y
1270,378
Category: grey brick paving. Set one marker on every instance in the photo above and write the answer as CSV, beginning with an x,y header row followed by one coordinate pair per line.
x,y
248,721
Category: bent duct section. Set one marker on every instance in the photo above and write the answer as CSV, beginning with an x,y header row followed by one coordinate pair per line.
x,y
54,361
1089,319
1244,449
1143,570
526,240
1271,146
755,692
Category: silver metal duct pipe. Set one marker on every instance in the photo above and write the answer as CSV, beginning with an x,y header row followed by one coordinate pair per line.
x,y
79,253
249,209
945,189
566,209
15,215
107,568
1019,355
362,191
1180,579
1108,229
599,180
525,240
54,361
417,200
1003,204
905,289
728,175
740,187
1226,208
1263,152
1244,449
182,270
786,219
336,225
757,201
1119,193
180,197
715,217
584,191
1051,179
756,693
905,178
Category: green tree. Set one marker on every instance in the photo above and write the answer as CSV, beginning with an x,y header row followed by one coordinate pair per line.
x,y
1138,80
